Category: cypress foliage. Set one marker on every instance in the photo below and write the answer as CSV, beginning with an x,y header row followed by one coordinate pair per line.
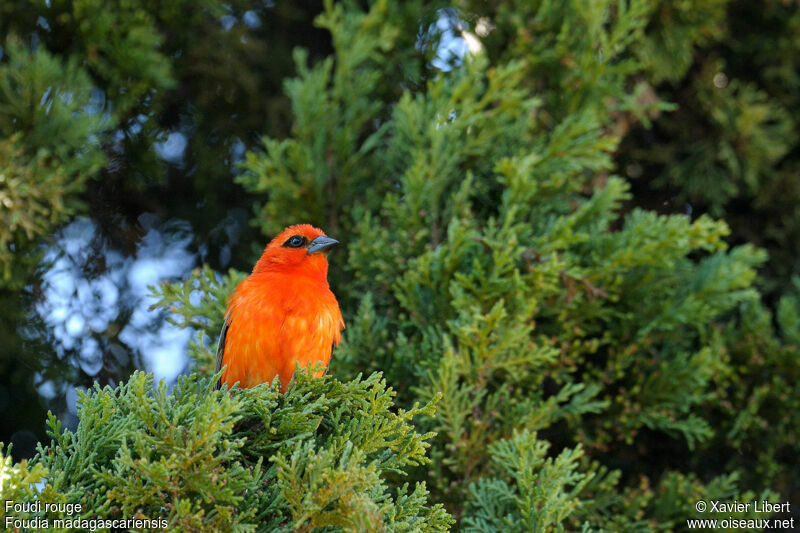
x,y
316,457
49,147
582,364
731,146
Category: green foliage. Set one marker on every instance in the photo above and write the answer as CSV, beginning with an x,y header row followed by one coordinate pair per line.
x,y
534,492
320,166
136,446
674,31
578,56
595,363
251,460
49,147
499,266
18,481
120,43
730,147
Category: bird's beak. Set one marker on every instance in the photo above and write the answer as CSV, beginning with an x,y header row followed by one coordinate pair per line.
x,y
321,244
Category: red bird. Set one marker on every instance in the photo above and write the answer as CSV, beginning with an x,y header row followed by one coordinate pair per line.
x,y
283,313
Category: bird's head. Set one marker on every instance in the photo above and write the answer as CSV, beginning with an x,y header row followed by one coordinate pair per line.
x,y
301,248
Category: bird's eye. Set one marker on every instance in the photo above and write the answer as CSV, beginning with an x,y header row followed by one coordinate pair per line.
x,y
295,241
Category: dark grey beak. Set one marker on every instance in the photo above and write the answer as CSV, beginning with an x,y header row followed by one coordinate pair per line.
x,y
321,244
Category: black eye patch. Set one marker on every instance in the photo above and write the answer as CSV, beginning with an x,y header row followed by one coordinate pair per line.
x,y
295,241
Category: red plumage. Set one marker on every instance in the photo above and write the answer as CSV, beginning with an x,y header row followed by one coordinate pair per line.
x,y
283,313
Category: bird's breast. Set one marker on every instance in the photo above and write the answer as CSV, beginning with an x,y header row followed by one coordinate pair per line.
x,y
277,322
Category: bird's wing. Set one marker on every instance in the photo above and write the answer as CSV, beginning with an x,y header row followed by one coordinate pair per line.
x,y
221,349
333,345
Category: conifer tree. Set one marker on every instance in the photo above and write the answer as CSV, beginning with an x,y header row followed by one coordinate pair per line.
x,y
540,354
494,263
